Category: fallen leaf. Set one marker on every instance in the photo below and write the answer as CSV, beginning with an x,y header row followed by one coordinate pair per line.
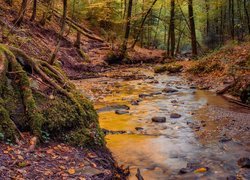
x,y
20,157
200,170
71,171
23,164
62,167
82,178
49,151
48,173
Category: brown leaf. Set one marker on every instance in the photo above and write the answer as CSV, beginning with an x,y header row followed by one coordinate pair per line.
x,y
71,171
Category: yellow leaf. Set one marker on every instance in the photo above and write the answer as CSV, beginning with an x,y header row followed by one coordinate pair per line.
x,y
200,170
62,167
20,157
71,171
49,151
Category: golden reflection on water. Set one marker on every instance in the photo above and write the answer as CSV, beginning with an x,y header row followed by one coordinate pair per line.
x,y
111,121
157,156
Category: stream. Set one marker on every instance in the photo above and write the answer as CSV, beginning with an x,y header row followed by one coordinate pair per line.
x,y
161,150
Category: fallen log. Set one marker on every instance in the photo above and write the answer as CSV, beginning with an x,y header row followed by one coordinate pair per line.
x,y
237,102
89,34
73,22
225,89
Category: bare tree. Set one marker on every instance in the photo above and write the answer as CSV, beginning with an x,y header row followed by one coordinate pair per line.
x,y
53,57
21,13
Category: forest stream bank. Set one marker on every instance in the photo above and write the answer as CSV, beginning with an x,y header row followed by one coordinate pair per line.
x,y
199,131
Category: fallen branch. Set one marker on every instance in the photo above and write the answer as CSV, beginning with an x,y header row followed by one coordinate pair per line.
x,y
138,175
237,102
73,22
79,28
225,89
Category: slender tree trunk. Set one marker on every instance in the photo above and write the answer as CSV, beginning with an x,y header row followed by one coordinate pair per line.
x,y
9,2
125,9
172,28
207,17
46,14
77,43
21,14
177,51
128,28
142,23
33,17
247,15
53,57
232,19
192,28
165,34
158,23
221,27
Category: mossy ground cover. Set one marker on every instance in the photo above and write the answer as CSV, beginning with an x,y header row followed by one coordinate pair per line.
x,y
53,106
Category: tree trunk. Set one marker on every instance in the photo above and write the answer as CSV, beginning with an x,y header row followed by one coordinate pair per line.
x,y
192,27
46,13
77,43
127,28
172,28
247,16
33,17
142,23
232,19
177,51
21,14
9,2
207,17
158,24
53,57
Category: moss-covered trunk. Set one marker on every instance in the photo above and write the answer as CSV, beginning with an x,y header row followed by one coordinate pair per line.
x,y
36,97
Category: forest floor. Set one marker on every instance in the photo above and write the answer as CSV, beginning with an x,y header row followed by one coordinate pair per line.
x,y
56,160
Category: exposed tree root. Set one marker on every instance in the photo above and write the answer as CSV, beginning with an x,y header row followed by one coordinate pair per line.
x,y
18,65
36,66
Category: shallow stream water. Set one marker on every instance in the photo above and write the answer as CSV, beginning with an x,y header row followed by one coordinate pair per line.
x,y
160,150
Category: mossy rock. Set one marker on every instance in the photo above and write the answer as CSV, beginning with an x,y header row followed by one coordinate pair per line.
x,y
67,117
160,69
174,68
171,68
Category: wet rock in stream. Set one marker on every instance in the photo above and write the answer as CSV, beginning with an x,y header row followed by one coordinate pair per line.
x,y
225,139
138,128
174,101
106,132
159,119
244,162
121,111
113,107
155,93
169,90
144,95
175,115
193,167
135,102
